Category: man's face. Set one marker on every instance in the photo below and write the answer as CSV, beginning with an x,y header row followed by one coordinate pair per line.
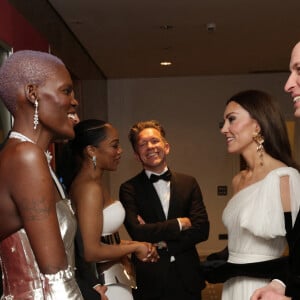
x,y
292,85
152,150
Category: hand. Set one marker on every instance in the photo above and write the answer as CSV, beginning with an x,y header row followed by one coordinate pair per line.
x,y
101,289
273,291
161,245
185,223
146,252
140,219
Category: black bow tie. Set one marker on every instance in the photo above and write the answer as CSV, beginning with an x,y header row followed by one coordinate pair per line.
x,y
165,176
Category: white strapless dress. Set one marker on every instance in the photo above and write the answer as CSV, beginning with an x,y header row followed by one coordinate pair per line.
x,y
113,218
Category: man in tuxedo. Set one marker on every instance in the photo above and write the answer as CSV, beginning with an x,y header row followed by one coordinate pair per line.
x,y
167,211
276,290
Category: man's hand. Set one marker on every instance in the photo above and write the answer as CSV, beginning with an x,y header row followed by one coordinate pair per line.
x,y
185,223
273,291
140,219
146,252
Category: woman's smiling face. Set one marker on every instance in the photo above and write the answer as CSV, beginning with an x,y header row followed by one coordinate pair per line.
x,y
238,128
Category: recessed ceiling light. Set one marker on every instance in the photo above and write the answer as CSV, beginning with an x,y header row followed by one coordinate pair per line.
x,y
166,27
211,27
165,63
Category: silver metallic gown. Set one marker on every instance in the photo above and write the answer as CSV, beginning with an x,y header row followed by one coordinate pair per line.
x,y
22,278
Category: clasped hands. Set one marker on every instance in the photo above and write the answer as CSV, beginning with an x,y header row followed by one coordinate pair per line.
x,y
152,255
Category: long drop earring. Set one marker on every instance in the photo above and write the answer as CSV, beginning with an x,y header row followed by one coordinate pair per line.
x,y
94,160
259,140
36,115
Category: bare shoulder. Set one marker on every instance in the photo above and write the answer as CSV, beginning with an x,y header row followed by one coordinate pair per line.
x,y
23,154
20,160
84,185
85,191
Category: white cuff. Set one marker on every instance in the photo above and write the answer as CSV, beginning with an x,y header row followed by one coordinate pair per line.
x,y
179,223
280,282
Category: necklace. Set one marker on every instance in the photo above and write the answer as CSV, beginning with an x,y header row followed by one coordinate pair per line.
x,y
20,136
24,138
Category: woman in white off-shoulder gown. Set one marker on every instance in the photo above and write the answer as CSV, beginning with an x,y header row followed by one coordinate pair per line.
x,y
267,189
255,222
96,145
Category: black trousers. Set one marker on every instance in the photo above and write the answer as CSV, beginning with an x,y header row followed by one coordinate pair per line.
x,y
173,290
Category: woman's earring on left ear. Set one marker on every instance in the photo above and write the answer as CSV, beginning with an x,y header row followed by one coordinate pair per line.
x,y
94,162
259,140
36,114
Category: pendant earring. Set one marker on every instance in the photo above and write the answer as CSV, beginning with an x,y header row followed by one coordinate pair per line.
x,y
94,160
259,140
36,115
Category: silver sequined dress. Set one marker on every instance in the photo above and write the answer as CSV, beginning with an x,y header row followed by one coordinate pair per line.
x,y
22,279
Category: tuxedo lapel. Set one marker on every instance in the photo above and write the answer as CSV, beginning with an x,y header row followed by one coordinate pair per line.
x,y
173,204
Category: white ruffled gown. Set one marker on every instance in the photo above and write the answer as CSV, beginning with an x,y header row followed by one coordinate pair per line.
x,y
256,230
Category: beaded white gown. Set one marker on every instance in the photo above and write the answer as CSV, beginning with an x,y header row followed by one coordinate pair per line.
x,y
113,218
256,231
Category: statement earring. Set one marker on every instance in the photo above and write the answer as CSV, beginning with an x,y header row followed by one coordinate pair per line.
x,y
94,160
259,140
36,115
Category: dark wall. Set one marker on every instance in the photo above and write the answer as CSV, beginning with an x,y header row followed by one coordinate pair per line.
x,y
16,32
62,41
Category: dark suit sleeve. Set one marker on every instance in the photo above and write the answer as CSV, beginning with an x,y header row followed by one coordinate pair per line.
x,y
220,271
189,203
200,225
150,232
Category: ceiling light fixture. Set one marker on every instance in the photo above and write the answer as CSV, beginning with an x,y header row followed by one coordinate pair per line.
x,y
211,27
165,63
166,27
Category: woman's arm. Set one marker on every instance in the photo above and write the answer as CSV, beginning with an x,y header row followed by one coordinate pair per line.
x,y
35,197
88,199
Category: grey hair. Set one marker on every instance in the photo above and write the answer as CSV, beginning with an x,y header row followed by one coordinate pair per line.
x,y
22,68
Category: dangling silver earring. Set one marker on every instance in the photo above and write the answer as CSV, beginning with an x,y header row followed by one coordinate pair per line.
x,y
94,160
259,140
36,114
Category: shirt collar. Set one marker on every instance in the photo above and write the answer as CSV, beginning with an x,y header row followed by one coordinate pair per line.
x,y
148,173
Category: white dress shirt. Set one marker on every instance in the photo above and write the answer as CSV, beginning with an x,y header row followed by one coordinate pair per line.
x,y
162,188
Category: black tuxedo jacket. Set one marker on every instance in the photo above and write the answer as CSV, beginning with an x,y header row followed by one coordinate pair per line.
x,y
139,197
